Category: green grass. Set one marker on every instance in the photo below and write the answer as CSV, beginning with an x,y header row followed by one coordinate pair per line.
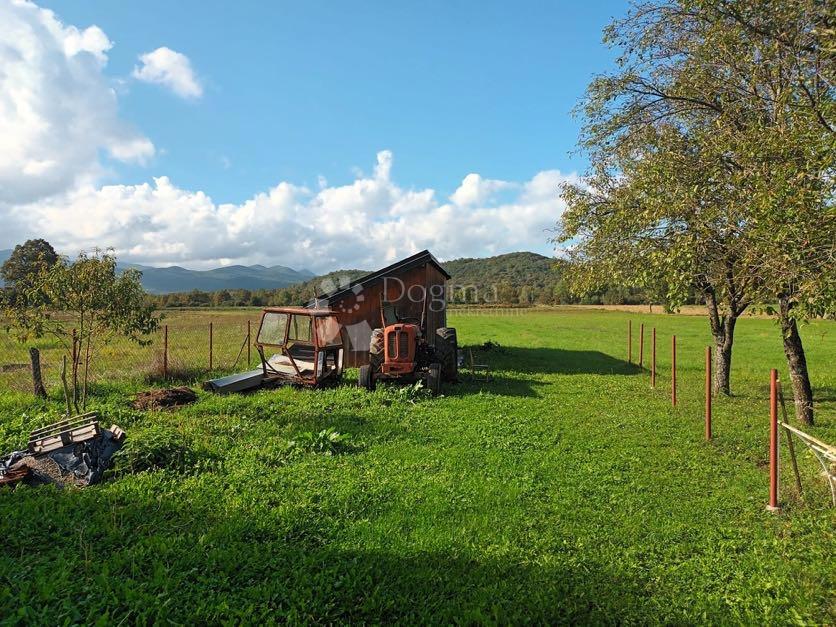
x,y
565,490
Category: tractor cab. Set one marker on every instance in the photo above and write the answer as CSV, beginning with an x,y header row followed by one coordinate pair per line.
x,y
301,346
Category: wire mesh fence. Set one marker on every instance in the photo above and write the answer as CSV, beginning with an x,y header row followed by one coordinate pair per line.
x,y
188,345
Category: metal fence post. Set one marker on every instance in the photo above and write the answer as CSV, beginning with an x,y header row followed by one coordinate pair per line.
x,y
773,442
707,392
210,346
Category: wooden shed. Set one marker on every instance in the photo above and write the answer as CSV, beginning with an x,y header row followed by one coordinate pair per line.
x,y
404,283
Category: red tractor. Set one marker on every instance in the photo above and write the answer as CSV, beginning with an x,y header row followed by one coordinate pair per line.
x,y
400,352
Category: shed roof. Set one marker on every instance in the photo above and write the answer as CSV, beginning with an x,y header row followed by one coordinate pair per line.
x,y
425,256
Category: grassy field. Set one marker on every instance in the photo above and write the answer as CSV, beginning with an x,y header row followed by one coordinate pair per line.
x,y
565,490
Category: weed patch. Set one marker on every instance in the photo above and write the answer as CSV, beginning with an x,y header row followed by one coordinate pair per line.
x,y
155,447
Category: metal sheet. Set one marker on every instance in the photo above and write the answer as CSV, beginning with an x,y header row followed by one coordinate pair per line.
x,y
236,382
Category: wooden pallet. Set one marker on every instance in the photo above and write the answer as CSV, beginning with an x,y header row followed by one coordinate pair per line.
x,y
59,434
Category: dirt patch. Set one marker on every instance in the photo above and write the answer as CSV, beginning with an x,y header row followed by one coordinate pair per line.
x,y
165,397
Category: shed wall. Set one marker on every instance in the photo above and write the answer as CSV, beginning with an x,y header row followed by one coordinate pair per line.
x,y
360,313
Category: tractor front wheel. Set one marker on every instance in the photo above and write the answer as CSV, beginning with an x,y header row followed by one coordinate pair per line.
x,y
366,379
434,379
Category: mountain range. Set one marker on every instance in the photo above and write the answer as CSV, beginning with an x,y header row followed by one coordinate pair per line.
x,y
177,279
513,268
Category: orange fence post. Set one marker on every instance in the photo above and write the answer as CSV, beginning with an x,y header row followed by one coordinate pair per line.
x,y
653,362
707,392
673,370
629,341
773,442
641,345
210,346
165,352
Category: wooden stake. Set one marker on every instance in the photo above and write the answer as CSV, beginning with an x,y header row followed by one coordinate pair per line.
x,y
37,378
708,393
653,362
673,370
629,341
74,368
249,342
165,352
64,381
641,345
773,442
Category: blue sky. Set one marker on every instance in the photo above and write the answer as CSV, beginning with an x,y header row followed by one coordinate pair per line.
x,y
309,94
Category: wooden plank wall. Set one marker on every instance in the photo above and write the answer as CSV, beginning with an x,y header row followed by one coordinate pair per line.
x,y
360,313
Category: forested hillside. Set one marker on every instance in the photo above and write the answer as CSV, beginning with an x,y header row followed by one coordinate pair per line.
x,y
522,278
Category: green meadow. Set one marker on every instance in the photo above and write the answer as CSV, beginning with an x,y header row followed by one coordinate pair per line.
x,y
563,490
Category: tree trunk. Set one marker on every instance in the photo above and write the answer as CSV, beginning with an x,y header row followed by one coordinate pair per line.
x,y
722,331
37,378
802,391
723,343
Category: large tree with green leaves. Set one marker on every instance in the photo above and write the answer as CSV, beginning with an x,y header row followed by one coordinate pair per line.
x,y
652,212
26,261
83,304
733,100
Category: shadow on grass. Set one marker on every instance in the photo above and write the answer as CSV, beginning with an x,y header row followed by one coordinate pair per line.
x,y
552,361
498,384
199,561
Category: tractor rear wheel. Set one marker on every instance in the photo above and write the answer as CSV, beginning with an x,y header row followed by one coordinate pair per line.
x,y
366,379
376,354
447,351
434,378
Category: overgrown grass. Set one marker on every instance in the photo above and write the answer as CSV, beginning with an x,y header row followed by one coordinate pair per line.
x,y
564,490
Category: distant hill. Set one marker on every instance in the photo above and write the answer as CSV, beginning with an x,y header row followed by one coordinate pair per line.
x,y
514,268
177,279
522,277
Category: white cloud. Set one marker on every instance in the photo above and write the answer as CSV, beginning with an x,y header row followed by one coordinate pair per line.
x,y
170,68
475,190
363,224
57,109
91,39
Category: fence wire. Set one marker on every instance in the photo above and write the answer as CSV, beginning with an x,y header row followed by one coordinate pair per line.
x,y
194,351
